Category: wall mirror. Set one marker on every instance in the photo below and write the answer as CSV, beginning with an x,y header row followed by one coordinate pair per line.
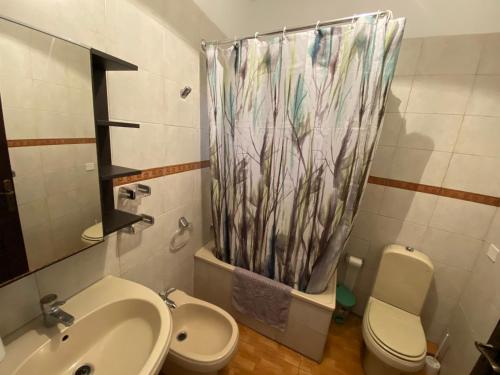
x,y
49,188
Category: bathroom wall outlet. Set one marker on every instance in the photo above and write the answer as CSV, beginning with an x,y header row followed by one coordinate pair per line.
x,y
89,166
492,253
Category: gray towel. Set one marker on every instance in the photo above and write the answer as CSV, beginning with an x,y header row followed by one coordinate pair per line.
x,y
261,298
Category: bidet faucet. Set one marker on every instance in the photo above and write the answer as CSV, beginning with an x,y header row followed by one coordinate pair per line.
x,y
52,312
164,296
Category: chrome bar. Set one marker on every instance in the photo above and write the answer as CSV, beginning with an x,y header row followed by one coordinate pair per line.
x,y
287,30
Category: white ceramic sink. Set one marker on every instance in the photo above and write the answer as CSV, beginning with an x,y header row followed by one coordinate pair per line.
x,y
120,328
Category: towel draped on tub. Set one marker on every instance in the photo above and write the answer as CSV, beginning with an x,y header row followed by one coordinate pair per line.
x,y
261,298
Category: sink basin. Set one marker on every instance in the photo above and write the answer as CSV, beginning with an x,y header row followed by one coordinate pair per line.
x,y
121,328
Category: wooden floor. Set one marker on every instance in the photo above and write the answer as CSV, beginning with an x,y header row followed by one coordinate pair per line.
x,y
260,355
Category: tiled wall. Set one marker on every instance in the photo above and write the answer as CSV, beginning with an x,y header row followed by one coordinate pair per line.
x,y
442,128
162,37
478,311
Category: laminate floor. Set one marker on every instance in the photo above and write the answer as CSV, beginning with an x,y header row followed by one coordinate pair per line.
x,y
259,355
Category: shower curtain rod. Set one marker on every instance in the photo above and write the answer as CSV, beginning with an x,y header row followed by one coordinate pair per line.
x,y
204,43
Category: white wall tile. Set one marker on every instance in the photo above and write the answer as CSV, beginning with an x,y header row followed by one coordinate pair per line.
x,y
450,248
490,56
408,56
393,123
74,274
382,161
408,205
446,287
485,96
482,292
372,198
450,55
398,96
478,174
14,42
382,230
422,166
430,132
20,304
467,218
461,354
493,235
479,135
440,94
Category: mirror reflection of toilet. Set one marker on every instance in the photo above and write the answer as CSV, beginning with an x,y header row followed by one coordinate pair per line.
x,y
392,330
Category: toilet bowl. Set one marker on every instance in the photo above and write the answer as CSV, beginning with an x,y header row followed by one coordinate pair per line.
x,y
204,337
392,329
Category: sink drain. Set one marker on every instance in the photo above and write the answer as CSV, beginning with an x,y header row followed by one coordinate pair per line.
x,y
84,370
181,336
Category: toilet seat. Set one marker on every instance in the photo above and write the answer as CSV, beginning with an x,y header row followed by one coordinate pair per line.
x,y
395,336
93,233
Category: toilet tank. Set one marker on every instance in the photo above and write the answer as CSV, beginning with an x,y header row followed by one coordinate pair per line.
x,y
403,278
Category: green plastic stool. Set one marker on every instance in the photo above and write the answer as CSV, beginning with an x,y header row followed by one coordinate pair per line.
x,y
345,302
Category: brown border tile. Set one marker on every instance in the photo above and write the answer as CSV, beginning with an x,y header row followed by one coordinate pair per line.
x,y
436,190
48,142
148,174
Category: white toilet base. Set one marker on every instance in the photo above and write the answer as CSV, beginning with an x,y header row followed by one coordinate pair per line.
x,y
374,366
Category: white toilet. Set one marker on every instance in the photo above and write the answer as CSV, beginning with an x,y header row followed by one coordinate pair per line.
x,y
205,337
392,330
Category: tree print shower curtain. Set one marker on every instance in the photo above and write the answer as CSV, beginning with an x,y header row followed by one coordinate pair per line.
x,y
294,121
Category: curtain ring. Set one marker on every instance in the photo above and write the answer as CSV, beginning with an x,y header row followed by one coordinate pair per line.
x,y
316,29
256,35
352,20
284,32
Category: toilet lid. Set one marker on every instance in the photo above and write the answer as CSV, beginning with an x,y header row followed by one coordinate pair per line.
x,y
93,233
396,329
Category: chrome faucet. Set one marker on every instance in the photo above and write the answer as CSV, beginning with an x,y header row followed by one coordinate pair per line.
x,y
52,312
164,296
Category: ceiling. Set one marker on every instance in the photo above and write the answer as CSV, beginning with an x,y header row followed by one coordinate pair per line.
x,y
424,17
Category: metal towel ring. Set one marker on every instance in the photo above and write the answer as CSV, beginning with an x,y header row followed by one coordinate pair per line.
x,y
184,225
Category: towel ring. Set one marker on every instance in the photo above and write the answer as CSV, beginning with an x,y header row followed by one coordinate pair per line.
x,y
184,225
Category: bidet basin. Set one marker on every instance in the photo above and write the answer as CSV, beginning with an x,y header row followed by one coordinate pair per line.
x,y
205,337
120,328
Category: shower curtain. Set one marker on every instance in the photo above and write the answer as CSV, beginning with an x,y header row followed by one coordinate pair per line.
x,y
294,121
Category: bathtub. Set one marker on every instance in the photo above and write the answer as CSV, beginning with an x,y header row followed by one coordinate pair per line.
x,y
309,317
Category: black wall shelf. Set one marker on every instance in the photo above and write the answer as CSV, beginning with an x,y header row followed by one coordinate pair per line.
x,y
116,220
112,219
116,123
108,172
107,62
